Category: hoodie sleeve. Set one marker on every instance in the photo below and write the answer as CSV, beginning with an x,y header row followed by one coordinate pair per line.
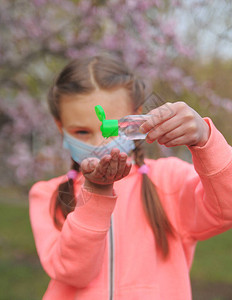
x,y
205,202
75,254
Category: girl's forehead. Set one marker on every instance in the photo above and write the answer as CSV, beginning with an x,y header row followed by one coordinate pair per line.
x,y
116,104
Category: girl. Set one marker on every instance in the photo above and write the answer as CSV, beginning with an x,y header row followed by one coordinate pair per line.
x,y
119,226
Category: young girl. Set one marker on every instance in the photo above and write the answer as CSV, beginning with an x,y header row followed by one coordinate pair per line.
x,y
117,225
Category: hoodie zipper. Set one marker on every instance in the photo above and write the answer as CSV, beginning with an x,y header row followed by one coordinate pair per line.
x,y
111,261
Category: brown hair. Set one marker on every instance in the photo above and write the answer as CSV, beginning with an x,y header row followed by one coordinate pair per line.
x,y
107,72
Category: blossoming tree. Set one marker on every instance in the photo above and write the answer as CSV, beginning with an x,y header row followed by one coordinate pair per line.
x,y
37,39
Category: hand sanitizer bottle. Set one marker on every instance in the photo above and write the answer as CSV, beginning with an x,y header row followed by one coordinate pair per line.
x,y
128,126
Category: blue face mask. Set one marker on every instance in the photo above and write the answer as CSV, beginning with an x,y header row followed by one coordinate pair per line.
x,y
80,150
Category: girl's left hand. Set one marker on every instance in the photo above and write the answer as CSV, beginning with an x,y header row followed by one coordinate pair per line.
x,y
175,124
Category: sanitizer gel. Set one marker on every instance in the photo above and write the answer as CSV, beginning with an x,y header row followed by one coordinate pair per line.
x,y
127,126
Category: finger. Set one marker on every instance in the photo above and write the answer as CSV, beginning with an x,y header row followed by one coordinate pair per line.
x,y
189,133
179,141
158,116
127,169
113,164
171,136
163,129
185,139
121,165
114,151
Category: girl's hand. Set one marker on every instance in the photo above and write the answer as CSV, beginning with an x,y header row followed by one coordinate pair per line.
x,y
101,174
175,124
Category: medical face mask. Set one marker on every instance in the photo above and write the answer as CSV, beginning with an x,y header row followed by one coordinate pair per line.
x,y
80,150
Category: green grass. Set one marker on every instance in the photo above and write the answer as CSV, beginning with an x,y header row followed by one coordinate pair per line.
x,y
22,277
213,259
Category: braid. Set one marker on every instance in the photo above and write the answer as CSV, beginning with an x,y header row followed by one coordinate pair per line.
x,y
154,211
138,153
65,198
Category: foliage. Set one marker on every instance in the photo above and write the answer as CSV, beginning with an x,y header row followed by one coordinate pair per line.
x,y
19,262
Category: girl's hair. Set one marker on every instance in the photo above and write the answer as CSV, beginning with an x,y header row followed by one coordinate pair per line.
x,y
106,72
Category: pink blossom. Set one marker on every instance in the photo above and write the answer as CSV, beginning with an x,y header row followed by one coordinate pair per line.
x,y
176,3
72,52
168,28
54,45
131,4
109,42
188,82
39,2
145,5
174,74
183,49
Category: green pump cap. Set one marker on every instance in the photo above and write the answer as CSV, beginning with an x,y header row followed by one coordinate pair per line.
x,y
108,127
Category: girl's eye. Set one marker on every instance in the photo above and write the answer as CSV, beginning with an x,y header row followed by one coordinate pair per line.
x,y
81,132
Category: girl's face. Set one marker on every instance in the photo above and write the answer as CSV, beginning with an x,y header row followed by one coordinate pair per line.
x,y
78,115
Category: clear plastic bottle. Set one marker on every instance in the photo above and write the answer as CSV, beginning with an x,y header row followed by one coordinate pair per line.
x,y
127,126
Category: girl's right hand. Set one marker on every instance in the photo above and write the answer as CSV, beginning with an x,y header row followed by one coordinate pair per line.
x,y
101,174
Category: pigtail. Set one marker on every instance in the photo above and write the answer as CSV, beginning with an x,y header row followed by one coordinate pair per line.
x,y
154,211
64,198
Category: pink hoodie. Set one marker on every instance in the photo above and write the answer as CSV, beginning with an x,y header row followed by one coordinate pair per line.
x,y
89,259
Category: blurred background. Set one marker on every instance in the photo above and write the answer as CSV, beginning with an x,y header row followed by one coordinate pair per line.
x,y
182,48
